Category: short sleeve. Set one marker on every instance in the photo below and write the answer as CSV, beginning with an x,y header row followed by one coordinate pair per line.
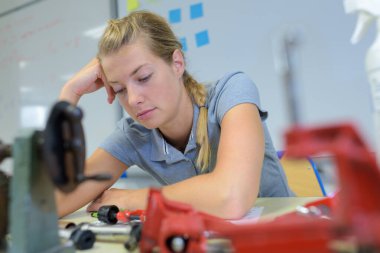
x,y
117,144
231,90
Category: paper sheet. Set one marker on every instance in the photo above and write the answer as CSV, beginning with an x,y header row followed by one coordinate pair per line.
x,y
252,216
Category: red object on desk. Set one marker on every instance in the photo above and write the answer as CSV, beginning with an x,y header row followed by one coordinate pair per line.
x,y
127,215
349,218
111,214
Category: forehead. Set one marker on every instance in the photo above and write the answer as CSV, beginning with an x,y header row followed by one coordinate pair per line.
x,y
127,59
127,54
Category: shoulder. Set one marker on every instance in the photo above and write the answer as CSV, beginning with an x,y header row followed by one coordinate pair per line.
x,y
231,79
230,90
127,137
132,128
234,76
235,86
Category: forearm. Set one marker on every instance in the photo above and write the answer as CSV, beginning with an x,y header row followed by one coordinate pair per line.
x,y
67,203
68,95
86,192
100,162
215,195
219,194
89,79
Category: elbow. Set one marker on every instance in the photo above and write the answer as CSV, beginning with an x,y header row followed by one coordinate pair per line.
x,y
235,206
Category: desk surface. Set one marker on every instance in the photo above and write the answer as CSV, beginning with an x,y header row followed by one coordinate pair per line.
x,y
272,207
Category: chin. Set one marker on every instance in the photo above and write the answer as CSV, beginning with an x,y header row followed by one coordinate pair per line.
x,y
148,125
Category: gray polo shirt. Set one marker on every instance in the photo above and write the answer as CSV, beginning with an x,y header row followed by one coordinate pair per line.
x,y
133,144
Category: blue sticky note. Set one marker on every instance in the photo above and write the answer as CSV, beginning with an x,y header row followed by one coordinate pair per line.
x,y
196,11
184,44
175,16
201,38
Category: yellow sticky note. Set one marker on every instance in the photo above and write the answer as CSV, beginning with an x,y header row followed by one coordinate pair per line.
x,y
132,5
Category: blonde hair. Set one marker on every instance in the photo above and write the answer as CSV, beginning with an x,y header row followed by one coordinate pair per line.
x,y
160,39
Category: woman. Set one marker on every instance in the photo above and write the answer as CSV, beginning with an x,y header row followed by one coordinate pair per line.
x,y
208,147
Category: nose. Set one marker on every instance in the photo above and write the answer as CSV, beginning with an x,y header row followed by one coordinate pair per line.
x,y
134,95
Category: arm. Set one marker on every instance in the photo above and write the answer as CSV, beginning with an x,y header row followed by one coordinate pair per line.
x,y
231,189
100,162
89,79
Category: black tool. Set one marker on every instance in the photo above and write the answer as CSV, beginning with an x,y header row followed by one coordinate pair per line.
x,y
64,147
4,186
43,161
111,214
82,239
134,237
103,232
108,214
5,151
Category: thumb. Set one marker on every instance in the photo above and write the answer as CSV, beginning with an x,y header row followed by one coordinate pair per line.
x,y
110,93
92,207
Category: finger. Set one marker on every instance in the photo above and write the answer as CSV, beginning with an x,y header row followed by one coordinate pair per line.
x,y
110,92
92,207
95,204
92,62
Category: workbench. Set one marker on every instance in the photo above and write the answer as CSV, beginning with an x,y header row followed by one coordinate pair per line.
x,y
269,207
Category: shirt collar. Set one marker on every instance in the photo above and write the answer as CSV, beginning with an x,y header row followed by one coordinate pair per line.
x,y
163,151
159,147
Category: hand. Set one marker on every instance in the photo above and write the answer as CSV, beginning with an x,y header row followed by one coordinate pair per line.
x,y
89,79
122,198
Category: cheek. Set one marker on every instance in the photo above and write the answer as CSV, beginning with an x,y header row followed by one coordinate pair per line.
x,y
124,105
158,92
165,97
171,89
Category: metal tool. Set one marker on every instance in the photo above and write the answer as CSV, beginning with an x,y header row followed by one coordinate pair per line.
x,y
350,219
44,160
134,237
82,239
5,152
285,63
104,232
4,185
111,214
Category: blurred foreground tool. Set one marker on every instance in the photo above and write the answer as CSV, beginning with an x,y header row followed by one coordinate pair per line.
x,y
111,214
118,233
4,185
348,220
42,162
81,239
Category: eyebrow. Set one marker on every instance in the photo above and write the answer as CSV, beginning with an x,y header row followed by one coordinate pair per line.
x,y
133,72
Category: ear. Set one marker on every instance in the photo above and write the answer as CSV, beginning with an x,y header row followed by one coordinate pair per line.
x,y
178,63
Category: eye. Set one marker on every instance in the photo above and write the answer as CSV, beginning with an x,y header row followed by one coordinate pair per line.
x,y
145,79
122,90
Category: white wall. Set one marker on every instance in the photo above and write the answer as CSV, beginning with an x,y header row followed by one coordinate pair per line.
x,y
329,72
45,43
42,45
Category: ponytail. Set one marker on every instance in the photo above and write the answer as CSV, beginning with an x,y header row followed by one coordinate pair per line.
x,y
199,94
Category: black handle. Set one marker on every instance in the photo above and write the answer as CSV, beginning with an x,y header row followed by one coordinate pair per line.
x,y
64,147
5,151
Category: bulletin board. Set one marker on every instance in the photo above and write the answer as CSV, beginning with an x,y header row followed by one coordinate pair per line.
x,y
220,36
42,46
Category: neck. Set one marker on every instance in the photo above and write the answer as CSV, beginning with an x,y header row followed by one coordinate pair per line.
x,y
178,132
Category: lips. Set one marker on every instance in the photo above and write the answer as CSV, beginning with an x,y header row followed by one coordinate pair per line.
x,y
144,114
